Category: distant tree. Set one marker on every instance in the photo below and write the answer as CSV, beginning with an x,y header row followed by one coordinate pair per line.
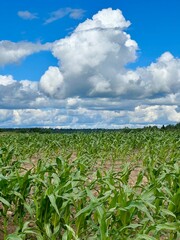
x,y
163,127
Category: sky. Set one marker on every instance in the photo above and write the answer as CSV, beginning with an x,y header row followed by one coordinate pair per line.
x,y
89,64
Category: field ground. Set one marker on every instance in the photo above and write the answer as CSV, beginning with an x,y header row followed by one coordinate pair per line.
x,y
98,185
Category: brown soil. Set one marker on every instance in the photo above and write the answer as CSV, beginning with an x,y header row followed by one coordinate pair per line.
x,y
10,228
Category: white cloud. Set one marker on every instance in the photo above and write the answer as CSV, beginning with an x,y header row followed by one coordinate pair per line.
x,y
93,62
5,115
11,52
52,81
72,102
62,12
82,117
43,117
172,114
6,80
95,53
76,13
26,15
31,117
143,114
161,77
99,85
92,86
150,114
105,19
17,94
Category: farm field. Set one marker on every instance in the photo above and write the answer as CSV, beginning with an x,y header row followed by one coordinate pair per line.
x,y
106,185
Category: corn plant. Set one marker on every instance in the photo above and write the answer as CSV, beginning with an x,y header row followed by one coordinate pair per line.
x,y
99,185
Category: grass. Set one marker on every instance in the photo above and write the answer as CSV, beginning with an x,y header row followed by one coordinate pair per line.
x,y
105,185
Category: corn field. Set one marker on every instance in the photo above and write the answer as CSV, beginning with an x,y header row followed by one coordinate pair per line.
x,y
89,186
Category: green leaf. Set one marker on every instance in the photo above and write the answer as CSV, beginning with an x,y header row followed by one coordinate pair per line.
x,y
65,235
3,177
48,230
86,210
53,202
174,226
91,196
144,237
29,209
72,231
140,206
3,200
168,212
133,226
14,237
18,195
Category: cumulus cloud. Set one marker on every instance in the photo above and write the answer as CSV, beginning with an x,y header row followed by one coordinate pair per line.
x,y
26,15
104,19
161,77
52,81
62,12
149,114
92,63
6,80
12,52
44,117
92,85
94,54
82,117
17,94
93,59
31,117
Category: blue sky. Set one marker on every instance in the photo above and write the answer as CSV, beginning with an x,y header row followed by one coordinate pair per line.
x,y
45,66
